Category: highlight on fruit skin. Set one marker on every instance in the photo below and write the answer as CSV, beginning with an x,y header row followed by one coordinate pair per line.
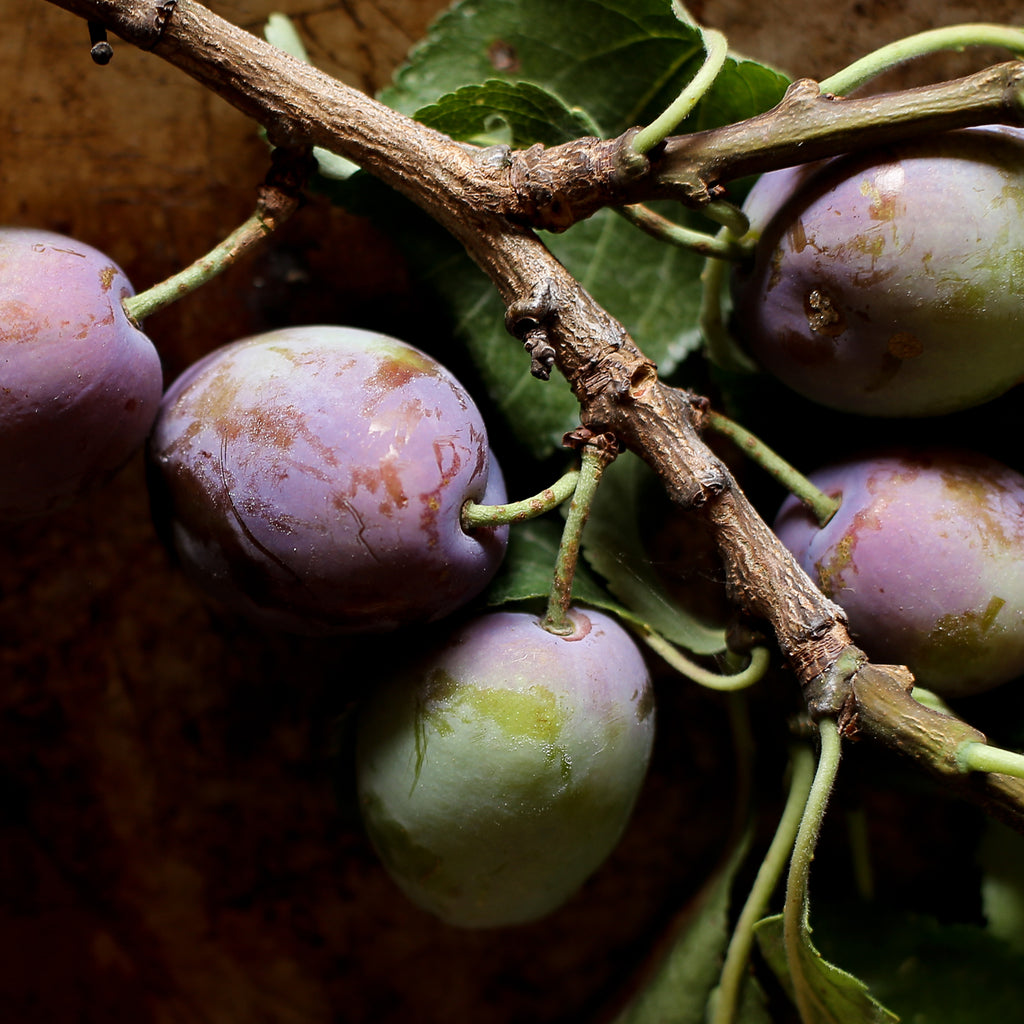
x,y
311,479
80,382
924,555
889,282
496,773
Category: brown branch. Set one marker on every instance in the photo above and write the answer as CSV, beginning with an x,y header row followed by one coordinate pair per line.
x,y
484,196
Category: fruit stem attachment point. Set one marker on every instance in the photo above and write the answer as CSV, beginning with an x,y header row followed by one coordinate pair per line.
x,y
475,516
716,49
950,37
276,203
974,756
596,452
823,507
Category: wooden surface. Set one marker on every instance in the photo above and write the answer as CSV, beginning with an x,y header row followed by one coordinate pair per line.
x,y
177,838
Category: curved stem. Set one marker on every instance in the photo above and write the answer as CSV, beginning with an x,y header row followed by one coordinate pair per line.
x,y
796,912
475,516
594,459
760,658
981,757
730,216
823,507
724,246
951,37
716,49
719,344
734,968
262,222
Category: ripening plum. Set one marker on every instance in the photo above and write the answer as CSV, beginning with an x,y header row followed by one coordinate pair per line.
x,y
312,478
498,772
891,282
925,557
79,382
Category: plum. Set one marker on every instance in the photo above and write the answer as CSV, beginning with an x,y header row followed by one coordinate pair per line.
x,y
498,771
924,554
888,282
79,382
311,478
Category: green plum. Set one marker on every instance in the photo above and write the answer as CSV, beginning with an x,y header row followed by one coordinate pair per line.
x,y
498,772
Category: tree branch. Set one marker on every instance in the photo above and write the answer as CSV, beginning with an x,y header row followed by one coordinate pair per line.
x,y
491,200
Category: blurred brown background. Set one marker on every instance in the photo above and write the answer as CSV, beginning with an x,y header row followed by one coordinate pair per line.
x,y
176,844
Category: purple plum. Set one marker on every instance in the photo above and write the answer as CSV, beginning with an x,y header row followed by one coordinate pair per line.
x,y
312,478
79,382
497,773
889,282
924,555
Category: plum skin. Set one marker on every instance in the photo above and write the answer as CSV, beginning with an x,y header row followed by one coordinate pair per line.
x,y
311,478
79,382
498,772
890,282
924,556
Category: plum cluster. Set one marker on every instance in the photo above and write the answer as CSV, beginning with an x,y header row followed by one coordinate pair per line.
x,y
312,480
887,283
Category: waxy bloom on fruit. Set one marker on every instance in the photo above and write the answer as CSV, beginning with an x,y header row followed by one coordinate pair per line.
x,y
891,282
925,556
498,772
312,478
79,382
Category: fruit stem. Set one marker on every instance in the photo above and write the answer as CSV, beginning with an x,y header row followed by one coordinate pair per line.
x,y
716,49
973,756
593,459
730,216
823,507
950,37
273,208
722,245
721,347
796,911
760,658
475,516
734,968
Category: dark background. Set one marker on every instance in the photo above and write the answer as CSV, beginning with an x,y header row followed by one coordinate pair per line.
x,y
177,838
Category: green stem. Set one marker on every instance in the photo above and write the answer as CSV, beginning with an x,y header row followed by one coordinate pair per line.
x,y
723,245
256,227
730,216
796,911
719,344
760,658
823,507
951,37
973,756
593,461
716,49
734,969
475,516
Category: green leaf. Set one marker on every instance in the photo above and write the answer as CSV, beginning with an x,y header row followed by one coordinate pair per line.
x,y
684,979
529,566
519,72
927,971
613,547
622,61
515,114
836,997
